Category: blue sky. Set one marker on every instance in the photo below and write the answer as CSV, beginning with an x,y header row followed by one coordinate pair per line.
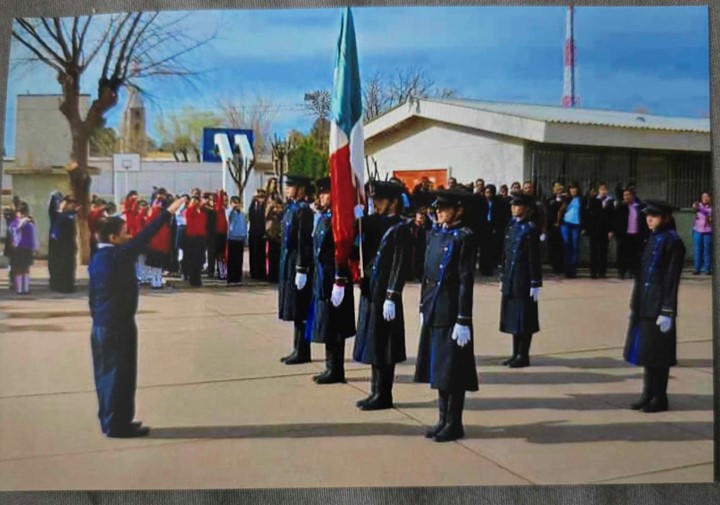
x,y
655,57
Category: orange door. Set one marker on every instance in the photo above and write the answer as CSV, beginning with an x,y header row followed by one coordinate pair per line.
x,y
411,178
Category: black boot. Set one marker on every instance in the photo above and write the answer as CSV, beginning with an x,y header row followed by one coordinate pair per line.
x,y
523,358
659,402
442,419
294,352
336,365
375,372
515,351
647,392
303,347
383,399
453,428
328,363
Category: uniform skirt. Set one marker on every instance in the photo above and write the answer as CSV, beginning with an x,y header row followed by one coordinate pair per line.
x,y
442,363
519,316
647,346
379,342
330,323
21,259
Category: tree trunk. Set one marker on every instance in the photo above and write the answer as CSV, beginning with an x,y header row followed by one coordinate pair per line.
x,y
80,181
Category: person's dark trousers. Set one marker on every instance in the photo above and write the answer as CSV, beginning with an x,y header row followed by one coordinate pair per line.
x,y
114,351
490,252
236,249
211,255
180,244
256,249
196,257
598,255
273,261
629,253
555,250
174,265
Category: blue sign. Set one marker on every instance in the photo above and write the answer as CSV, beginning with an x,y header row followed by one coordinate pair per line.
x,y
208,141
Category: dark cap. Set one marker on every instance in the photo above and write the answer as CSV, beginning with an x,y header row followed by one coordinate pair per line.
x,y
323,185
385,189
297,180
522,199
658,208
423,198
455,197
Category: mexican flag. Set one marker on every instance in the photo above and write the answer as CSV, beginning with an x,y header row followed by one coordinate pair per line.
x,y
346,142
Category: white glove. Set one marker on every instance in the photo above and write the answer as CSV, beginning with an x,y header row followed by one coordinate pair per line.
x,y
421,319
500,287
543,237
300,280
338,293
630,314
359,211
461,335
535,294
665,323
389,310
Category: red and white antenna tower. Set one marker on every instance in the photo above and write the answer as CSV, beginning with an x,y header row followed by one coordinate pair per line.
x,y
570,98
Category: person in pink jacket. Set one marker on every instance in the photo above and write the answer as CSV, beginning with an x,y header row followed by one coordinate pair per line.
x,y
702,235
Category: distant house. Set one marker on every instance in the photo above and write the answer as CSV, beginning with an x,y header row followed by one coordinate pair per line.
x,y
664,157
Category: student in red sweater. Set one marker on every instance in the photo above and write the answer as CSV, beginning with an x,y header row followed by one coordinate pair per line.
x,y
221,230
158,250
141,219
195,218
97,211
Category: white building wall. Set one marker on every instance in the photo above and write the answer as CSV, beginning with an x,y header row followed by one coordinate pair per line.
x,y
467,154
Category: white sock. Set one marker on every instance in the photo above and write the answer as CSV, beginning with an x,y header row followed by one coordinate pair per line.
x,y
26,283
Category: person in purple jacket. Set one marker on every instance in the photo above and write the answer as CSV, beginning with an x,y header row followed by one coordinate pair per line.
x,y
24,247
702,235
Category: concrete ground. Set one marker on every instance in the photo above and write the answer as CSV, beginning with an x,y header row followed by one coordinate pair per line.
x,y
226,414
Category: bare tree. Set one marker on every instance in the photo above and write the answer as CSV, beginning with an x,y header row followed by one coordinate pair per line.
x,y
131,47
317,103
375,98
183,131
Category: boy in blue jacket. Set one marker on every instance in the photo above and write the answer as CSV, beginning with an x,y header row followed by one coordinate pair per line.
x,y
114,297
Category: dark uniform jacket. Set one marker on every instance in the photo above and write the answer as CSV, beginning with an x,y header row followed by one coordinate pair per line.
x,y
655,292
385,244
520,271
330,322
446,299
296,256
113,284
600,219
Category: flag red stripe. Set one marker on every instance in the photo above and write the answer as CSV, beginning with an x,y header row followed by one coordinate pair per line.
x,y
343,198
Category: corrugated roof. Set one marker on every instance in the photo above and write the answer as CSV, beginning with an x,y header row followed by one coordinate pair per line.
x,y
588,116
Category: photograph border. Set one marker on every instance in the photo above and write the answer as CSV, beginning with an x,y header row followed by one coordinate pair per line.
x,y
590,494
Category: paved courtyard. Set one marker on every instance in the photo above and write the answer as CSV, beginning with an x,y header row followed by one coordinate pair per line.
x,y
225,413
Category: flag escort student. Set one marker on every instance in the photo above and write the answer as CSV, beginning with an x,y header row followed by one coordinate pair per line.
x,y
380,339
651,340
333,319
446,359
296,258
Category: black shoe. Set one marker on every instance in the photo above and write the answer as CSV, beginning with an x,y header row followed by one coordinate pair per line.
x,y
132,431
298,360
291,355
508,361
696,272
442,416
656,405
519,363
322,374
449,433
641,403
331,379
378,403
361,403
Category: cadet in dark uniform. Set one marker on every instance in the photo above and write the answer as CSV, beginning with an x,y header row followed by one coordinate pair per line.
x,y
380,339
333,300
113,304
520,281
296,259
446,359
652,335
64,247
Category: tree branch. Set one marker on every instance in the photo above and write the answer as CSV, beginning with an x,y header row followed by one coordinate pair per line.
x,y
61,39
113,41
43,58
30,30
126,43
